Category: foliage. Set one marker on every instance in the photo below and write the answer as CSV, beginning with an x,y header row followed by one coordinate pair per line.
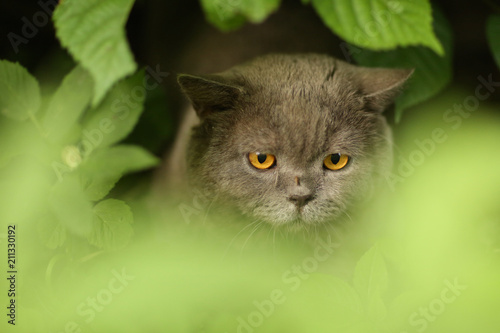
x,y
232,14
93,32
78,144
62,153
380,24
493,31
14,82
383,33
432,71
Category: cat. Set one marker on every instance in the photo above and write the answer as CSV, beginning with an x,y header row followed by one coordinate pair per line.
x,y
294,140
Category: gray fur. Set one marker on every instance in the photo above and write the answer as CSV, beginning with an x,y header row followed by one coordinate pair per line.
x,y
299,108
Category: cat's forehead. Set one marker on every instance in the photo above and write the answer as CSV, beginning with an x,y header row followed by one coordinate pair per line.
x,y
316,79
301,131
278,66
296,73
301,106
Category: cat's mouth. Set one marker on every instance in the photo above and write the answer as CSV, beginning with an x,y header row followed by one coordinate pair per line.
x,y
295,217
299,218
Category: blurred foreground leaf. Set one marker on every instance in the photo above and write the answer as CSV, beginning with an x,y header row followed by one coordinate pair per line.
x,y
52,233
67,104
106,166
111,227
19,91
116,116
370,281
71,206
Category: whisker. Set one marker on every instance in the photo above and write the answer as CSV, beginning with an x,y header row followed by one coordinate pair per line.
x,y
274,240
234,238
249,236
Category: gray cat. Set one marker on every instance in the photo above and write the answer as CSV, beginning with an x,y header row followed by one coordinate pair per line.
x,y
293,140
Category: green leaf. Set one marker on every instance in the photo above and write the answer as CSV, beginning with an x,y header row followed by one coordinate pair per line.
x,y
106,166
380,24
232,14
116,116
52,233
493,34
24,184
338,293
67,104
432,72
111,224
93,31
71,206
402,307
370,281
329,297
19,91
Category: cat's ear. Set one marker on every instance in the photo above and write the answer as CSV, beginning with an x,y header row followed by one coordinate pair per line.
x,y
381,86
210,93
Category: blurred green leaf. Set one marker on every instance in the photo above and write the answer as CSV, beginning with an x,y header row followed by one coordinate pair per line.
x,y
94,33
116,116
111,224
232,14
24,184
19,138
338,293
19,91
493,34
432,72
402,307
67,104
52,233
106,166
71,206
370,281
380,24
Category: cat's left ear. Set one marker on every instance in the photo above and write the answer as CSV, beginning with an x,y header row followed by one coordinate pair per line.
x,y
210,93
381,86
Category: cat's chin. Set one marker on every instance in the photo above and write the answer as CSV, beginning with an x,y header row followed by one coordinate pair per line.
x,y
288,217
299,221
298,224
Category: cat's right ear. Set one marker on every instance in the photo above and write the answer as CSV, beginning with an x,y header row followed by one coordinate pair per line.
x,y
209,93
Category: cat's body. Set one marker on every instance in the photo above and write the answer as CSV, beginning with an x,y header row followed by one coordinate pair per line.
x,y
300,110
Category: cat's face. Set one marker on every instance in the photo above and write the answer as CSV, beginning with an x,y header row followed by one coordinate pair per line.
x,y
292,140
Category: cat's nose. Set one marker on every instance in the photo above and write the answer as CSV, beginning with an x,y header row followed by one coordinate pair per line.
x,y
300,200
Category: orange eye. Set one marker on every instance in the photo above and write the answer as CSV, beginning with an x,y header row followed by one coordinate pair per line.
x,y
335,161
262,161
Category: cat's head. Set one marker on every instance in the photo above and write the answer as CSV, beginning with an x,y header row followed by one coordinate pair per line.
x,y
291,139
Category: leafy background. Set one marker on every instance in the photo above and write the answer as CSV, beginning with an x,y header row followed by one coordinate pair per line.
x,y
80,132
